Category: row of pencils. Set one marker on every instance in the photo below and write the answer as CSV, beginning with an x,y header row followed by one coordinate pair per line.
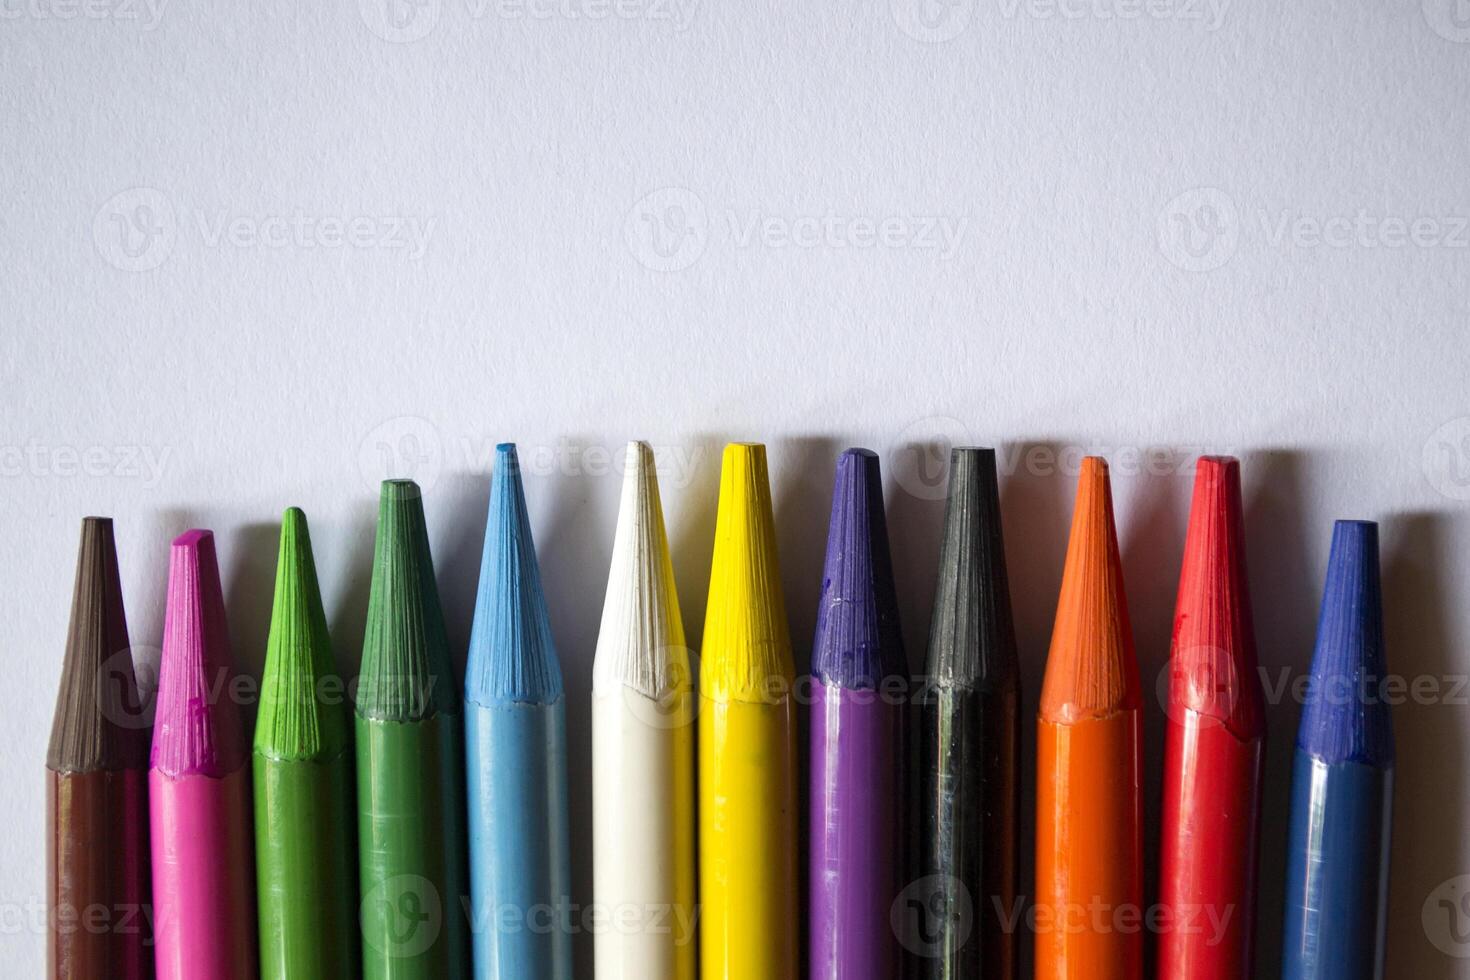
x,y
401,828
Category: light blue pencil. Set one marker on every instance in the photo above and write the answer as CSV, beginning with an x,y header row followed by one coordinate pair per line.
x,y
515,728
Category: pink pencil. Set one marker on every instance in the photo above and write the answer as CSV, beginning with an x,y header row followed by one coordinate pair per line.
x,y
199,784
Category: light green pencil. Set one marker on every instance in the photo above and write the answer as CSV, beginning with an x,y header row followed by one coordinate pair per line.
x,y
305,820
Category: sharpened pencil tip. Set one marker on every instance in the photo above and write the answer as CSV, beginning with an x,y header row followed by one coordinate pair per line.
x,y
747,642
99,723
295,723
196,540
972,641
1346,717
512,656
857,639
1091,668
406,674
197,727
293,523
393,490
640,644
1213,657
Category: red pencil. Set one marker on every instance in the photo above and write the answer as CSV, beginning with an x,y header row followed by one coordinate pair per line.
x,y
1213,748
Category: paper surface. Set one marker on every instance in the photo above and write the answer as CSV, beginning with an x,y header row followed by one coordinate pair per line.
x,y
572,224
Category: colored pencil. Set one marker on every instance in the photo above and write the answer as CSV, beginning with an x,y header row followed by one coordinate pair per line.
x,y
97,785
515,729
1089,804
199,783
1214,747
643,751
1342,785
410,762
856,737
306,872
747,780
970,740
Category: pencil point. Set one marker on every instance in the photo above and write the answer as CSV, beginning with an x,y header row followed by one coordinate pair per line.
x,y
1091,668
972,640
1346,717
197,729
512,655
641,641
747,643
858,643
398,490
293,723
406,674
1213,657
99,721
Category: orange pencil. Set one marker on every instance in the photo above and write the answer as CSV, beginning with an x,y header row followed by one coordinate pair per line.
x,y
1089,795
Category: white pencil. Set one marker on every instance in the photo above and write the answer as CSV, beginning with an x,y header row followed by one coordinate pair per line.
x,y
642,752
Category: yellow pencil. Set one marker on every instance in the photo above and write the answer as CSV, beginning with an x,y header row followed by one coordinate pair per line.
x,y
747,781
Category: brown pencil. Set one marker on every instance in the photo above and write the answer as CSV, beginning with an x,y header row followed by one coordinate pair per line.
x,y
97,786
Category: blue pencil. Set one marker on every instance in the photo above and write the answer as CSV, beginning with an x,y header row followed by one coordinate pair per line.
x,y
1342,789
515,728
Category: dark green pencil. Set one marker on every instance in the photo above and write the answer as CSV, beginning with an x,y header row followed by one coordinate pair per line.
x,y
304,833
410,763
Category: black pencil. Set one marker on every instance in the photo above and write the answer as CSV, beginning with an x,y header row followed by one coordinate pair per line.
x,y
969,741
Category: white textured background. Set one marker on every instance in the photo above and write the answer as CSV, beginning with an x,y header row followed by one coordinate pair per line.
x,y
263,254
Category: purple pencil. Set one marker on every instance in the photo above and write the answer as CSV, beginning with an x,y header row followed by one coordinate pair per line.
x,y
856,737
